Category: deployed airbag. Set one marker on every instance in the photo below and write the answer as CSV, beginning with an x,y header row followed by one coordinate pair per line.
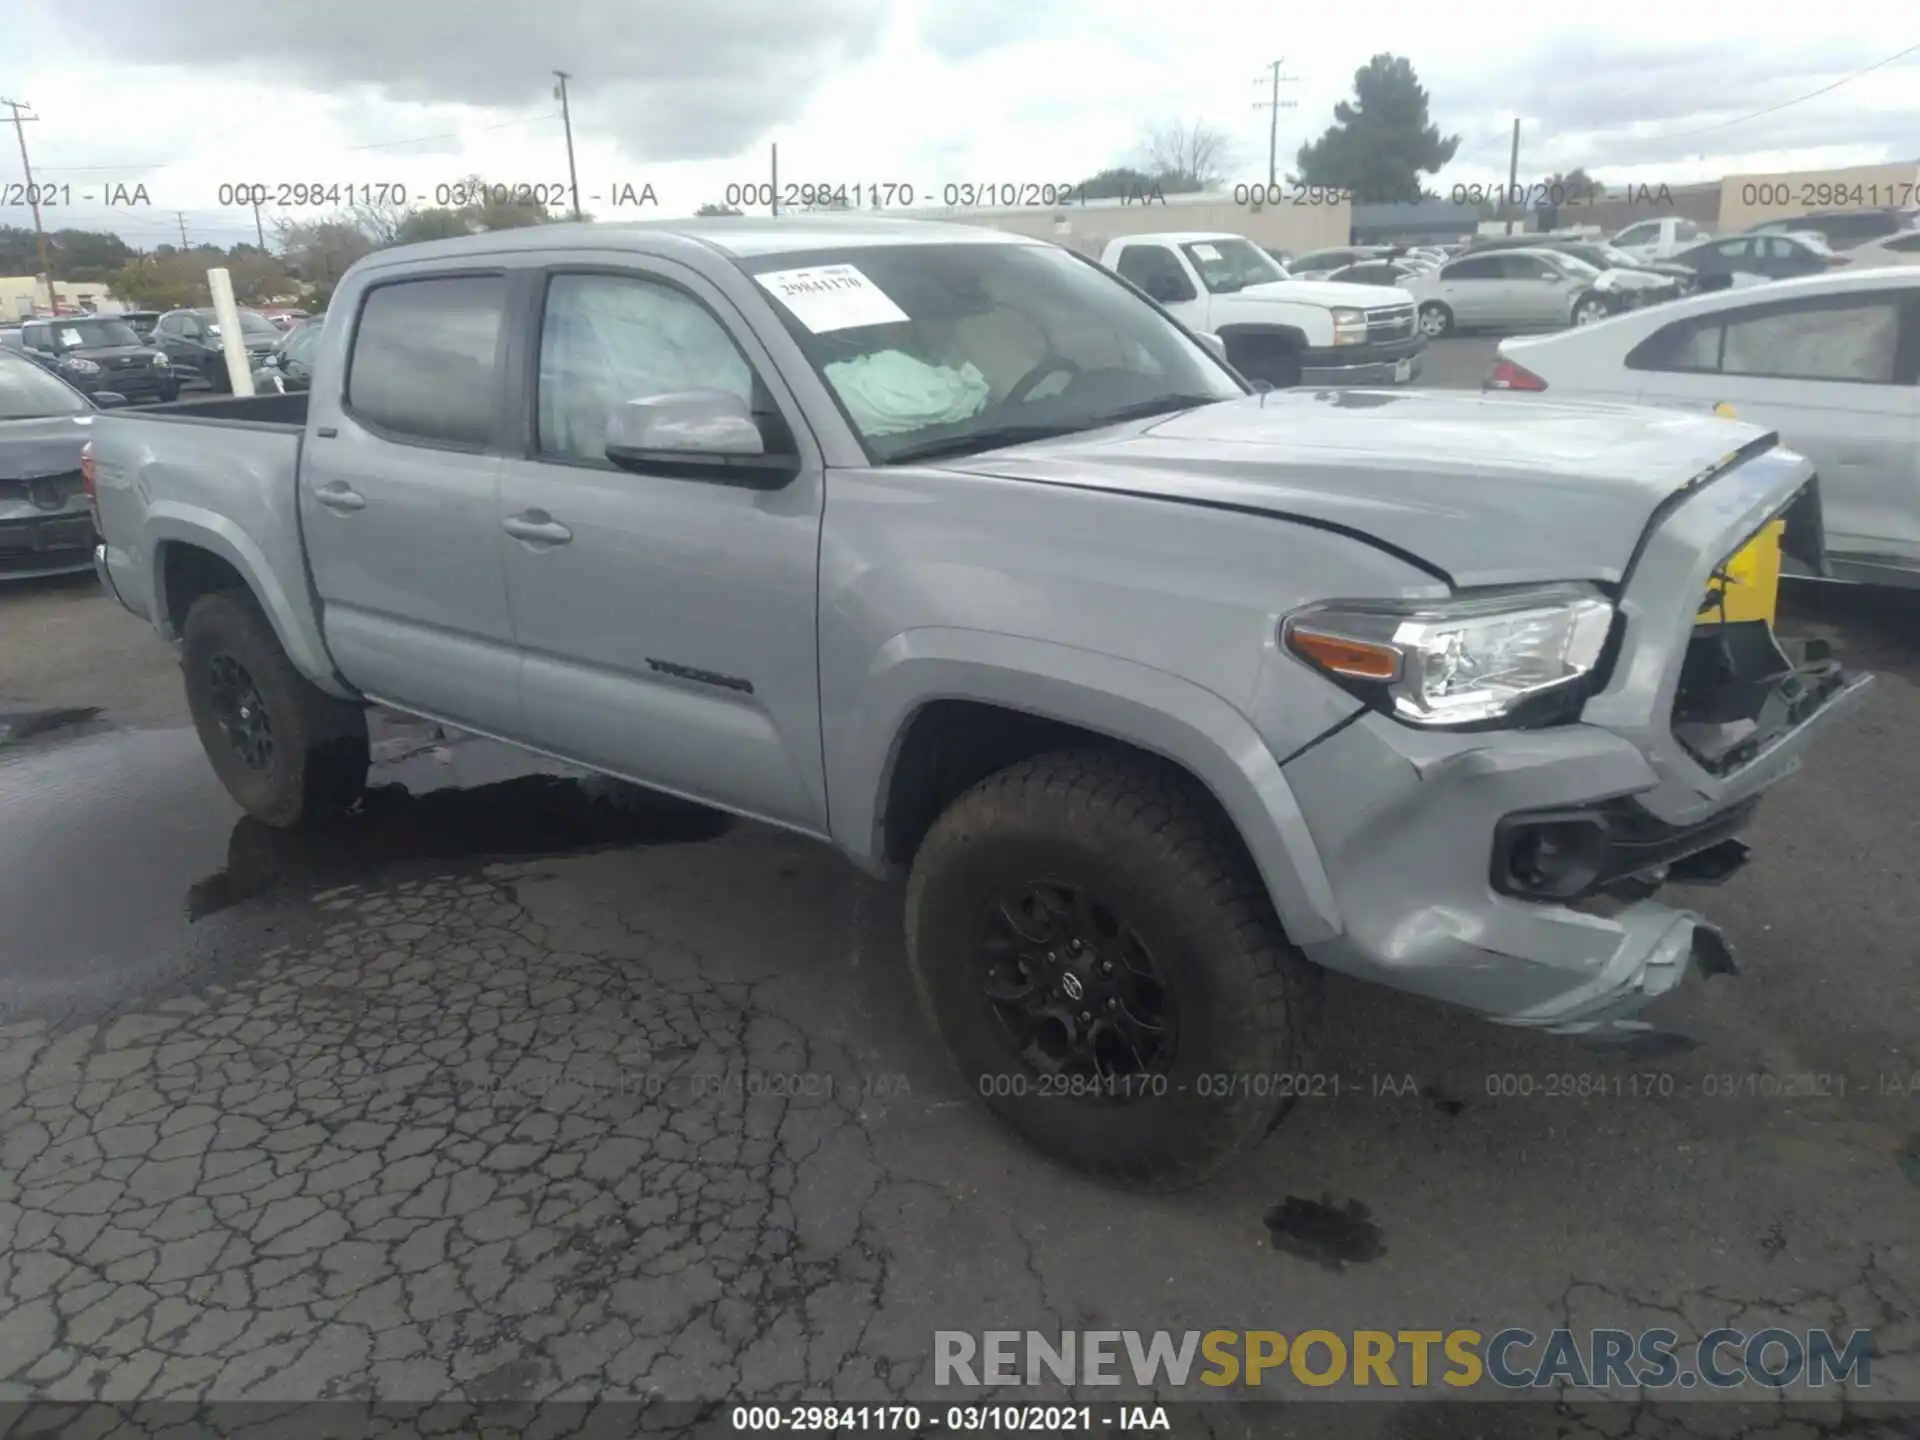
x,y
889,392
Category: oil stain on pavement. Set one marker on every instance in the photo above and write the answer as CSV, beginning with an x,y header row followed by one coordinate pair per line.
x,y
1333,1236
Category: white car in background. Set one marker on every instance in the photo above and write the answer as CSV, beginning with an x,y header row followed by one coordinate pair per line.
x,y
1659,239
1831,362
1901,249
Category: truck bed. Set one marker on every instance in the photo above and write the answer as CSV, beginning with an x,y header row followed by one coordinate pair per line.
x,y
272,411
217,475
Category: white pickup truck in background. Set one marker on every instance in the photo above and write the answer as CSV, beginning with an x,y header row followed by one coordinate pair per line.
x,y
1277,329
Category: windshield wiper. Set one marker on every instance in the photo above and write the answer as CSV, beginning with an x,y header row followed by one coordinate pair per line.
x,y
995,437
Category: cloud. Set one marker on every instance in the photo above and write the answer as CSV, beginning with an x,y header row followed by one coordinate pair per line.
x,y
694,80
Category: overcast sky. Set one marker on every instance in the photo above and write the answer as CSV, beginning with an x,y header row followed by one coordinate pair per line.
x,y
182,95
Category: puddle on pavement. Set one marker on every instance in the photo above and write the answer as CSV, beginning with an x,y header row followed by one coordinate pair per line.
x,y
113,844
1329,1235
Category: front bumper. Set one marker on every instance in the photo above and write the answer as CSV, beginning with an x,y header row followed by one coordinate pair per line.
x,y
56,544
1399,363
1415,829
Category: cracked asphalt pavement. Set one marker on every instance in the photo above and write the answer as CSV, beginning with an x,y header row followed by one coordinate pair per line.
x,y
522,1087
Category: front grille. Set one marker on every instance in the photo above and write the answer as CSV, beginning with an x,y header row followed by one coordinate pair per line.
x,y
34,538
1389,323
46,492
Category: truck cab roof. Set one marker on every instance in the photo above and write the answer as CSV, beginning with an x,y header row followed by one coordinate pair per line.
x,y
735,235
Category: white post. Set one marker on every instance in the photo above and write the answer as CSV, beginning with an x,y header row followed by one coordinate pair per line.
x,y
239,369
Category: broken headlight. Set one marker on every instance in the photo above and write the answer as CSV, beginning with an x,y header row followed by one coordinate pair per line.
x,y
1483,658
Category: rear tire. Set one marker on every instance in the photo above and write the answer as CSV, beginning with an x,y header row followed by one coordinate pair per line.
x,y
287,751
1137,844
1589,312
1436,320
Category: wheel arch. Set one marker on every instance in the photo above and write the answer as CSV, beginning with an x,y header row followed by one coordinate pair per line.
x,y
194,552
941,709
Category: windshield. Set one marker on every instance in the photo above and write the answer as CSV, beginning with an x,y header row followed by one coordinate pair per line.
x,y
1229,265
300,343
78,334
28,392
252,325
951,348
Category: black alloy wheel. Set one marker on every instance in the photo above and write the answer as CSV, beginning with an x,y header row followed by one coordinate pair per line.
x,y
241,713
1075,990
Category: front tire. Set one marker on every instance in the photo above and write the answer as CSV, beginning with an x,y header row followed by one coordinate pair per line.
x,y
287,751
1164,1036
1436,320
1589,312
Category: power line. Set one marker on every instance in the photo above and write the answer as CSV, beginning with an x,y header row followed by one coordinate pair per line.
x,y
1810,95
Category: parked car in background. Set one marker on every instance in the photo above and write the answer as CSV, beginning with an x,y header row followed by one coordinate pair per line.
x,y
1161,696
1375,272
142,321
46,522
1281,330
93,353
1831,362
1660,239
1900,249
1843,229
1324,262
289,366
1597,253
1509,289
1771,257
192,342
1282,258
10,340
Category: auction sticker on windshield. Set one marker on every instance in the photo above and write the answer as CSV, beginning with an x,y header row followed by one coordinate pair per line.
x,y
832,297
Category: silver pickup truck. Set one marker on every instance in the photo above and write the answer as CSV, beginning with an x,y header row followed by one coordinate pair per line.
x,y
952,550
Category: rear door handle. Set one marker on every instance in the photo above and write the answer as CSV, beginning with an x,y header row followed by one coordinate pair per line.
x,y
339,497
537,527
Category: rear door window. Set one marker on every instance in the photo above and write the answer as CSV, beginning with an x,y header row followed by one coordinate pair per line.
x,y
425,360
1854,340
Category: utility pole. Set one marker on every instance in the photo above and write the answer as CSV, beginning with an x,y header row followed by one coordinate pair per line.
x,y
33,197
776,177
566,119
181,216
1275,105
1513,175
259,230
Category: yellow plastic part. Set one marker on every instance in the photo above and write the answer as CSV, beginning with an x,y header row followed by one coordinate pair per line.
x,y
1755,573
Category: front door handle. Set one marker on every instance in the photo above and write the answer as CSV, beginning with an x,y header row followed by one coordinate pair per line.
x,y
340,497
538,527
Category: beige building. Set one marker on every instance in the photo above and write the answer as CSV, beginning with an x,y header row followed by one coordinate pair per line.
x,y
1090,226
21,295
1747,200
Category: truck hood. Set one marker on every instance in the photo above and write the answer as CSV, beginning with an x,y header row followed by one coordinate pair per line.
x,y
1323,292
49,445
1488,489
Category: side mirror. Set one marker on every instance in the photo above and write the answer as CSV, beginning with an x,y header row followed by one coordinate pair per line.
x,y
695,434
109,399
1213,343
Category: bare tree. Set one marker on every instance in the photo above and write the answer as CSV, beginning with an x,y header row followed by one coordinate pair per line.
x,y
1189,154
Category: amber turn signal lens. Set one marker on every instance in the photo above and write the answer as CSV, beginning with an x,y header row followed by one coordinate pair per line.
x,y
1342,656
